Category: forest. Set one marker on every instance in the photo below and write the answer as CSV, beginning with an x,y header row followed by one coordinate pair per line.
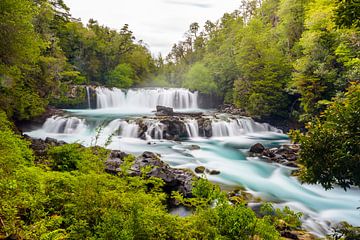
x,y
292,61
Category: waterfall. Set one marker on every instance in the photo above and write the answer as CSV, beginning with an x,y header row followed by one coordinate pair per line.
x,y
239,126
129,130
125,129
88,96
70,125
154,129
149,98
192,128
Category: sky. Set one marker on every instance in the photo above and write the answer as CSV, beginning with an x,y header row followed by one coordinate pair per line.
x,y
159,23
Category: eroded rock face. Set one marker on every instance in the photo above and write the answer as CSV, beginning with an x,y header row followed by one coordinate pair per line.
x,y
175,179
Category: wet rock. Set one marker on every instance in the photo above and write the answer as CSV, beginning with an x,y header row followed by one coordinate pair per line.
x,y
257,148
200,169
205,128
213,172
174,129
193,147
162,110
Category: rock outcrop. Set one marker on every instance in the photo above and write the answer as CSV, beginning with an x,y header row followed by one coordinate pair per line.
x,y
286,155
151,165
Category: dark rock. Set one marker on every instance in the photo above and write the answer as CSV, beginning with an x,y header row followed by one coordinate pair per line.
x,y
291,164
289,234
205,128
257,148
175,179
162,110
200,169
54,142
268,153
174,129
214,172
193,147
40,146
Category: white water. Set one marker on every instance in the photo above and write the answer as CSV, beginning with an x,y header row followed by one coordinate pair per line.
x,y
192,128
177,98
57,124
239,126
88,97
225,152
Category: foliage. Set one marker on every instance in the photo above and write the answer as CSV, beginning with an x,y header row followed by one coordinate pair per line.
x,y
199,78
121,77
282,218
347,13
43,50
329,150
344,230
66,158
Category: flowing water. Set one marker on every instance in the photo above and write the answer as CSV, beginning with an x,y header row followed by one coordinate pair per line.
x,y
116,118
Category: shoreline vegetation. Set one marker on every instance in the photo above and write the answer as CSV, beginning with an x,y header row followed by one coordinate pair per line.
x,y
287,61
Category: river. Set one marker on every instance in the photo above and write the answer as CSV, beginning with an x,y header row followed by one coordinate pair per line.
x,y
115,123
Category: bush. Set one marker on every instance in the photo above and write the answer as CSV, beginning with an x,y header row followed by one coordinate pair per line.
x,y
66,157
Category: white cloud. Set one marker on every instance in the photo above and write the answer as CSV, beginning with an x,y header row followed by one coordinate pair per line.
x,y
159,23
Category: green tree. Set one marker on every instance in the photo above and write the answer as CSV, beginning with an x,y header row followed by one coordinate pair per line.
x,y
122,76
199,78
264,72
330,150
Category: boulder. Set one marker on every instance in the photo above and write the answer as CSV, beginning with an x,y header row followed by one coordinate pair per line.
x,y
200,169
257,148
162,110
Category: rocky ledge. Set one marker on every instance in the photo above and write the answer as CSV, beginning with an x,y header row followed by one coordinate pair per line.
x,y
150,165
286,155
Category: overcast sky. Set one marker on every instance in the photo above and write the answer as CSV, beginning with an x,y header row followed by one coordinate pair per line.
x,y
160,23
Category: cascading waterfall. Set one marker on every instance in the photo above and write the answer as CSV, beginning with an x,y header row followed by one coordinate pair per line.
x,y
239,126
124,129
58,124
129,130
192,128
88,96
154,129
177,98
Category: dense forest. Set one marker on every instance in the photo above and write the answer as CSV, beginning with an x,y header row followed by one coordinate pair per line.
x,y
44,50
296,60
281,58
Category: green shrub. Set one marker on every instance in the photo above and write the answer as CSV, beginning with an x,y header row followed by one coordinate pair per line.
x,y
66,157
